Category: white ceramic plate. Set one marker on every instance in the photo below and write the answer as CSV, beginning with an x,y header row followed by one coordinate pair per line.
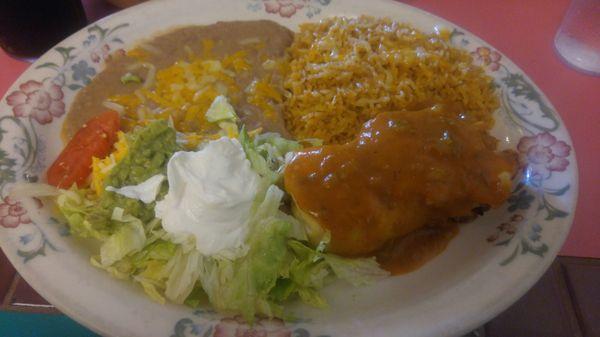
x,y
491,263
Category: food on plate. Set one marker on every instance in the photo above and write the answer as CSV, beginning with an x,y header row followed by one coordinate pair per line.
x,y
406,170
206,222
345,71
246,165
178,75
94,139
216,209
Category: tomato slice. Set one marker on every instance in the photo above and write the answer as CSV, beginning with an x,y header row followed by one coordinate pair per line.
x,y
95,139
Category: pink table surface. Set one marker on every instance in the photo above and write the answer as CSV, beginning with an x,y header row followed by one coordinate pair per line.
x,y
523,31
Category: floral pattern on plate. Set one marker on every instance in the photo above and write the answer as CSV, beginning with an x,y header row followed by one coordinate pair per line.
x,y
13,214
207,323
40,100
540,154
288,8
37,103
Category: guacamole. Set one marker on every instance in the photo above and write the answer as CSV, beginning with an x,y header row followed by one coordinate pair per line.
x,y
150,148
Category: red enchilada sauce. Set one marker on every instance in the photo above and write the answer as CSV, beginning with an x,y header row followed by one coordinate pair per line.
x,y
392,191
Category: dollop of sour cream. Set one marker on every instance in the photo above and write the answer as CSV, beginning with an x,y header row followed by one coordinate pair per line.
x,y
146,191
210,195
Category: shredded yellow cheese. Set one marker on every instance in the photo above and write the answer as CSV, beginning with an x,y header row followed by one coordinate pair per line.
x,y
184,91
263,94
138,53
101,167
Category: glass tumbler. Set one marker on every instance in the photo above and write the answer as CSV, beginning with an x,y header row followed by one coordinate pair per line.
x,y
29,28
577,40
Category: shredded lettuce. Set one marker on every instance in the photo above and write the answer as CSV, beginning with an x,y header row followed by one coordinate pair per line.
x,y
130,78
220,110
129,237
311,269
223,113
258,162
279,264
76,205
243,285
277,267
23,190
357,271
267,153
183,275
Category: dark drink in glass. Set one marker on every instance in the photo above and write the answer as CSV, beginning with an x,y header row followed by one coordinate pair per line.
x,y
28,28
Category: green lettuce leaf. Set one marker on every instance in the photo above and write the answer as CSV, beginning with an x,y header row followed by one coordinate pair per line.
x,y
221,110
184,270
153,268
274,148
311,269
258,162
129,237
243,285
76,206
267,153
357,271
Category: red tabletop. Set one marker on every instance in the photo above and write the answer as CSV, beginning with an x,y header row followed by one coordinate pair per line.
x,y
523,31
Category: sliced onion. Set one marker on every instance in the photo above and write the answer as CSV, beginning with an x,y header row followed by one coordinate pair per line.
x,y
134,66
114,106
152,49
139,95
150,76
24,190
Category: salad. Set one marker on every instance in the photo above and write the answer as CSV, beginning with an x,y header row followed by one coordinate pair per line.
x,y
189,225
